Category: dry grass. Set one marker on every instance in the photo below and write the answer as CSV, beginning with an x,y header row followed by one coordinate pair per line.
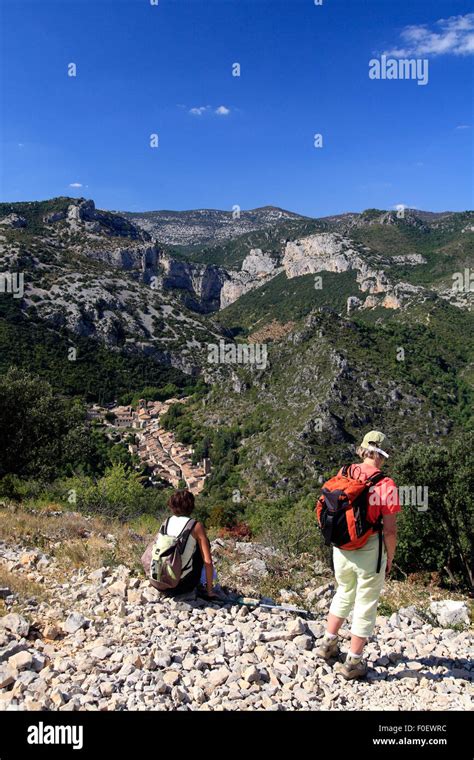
x,y
20,584
79,541
398,594
74,539
273,331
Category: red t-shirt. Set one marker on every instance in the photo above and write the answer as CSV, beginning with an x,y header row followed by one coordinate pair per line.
x,y
383,497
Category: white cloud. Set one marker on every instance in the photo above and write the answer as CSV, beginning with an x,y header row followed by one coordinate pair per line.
x,y
200,110
453,35
75,184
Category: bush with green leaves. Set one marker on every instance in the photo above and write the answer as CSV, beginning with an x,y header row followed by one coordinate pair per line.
x,y
289,526
39,431
442,537
120,494
45,436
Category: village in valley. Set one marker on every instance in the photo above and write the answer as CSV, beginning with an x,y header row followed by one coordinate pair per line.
x,y
157,449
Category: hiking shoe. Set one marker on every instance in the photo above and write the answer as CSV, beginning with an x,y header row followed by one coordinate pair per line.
x,y
328,648
351,668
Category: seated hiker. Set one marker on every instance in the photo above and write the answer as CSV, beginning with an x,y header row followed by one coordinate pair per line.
x,y
181,551
360,523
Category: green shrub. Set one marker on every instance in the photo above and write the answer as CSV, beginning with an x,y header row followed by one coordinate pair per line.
x,y
442,537
289,526
120,494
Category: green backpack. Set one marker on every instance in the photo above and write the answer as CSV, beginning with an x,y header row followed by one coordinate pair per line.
x,y
163,564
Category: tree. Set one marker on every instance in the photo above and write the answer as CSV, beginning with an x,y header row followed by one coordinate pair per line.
x,y
118,493
38,431
442,537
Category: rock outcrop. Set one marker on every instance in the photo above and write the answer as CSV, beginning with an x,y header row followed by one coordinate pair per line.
x,y
203,283
330,252
257,268
13,220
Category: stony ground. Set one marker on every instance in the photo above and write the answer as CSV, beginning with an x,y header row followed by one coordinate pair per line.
x,y
106,640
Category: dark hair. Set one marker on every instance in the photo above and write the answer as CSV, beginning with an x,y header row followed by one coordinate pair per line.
x,y
181,502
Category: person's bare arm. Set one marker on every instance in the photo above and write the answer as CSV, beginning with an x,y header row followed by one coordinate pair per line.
x,y
390,537
205,548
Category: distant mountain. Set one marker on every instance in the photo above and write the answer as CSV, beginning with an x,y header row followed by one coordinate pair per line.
x,y
92,278
206,226
333,300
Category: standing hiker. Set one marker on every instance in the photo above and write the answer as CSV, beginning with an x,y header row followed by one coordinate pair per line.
x,y
181,551
357,515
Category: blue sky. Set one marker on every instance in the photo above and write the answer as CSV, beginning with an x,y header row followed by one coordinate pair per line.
x,y
166,69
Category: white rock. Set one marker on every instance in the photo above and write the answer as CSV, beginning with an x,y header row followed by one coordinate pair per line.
x,y
151,594
12,648
15,623
303,642
51,631
21,661
217,677
135,596
171,677
7,677
106,689
253,568
119,588
101,652
449,612
251,674
74,622
296,627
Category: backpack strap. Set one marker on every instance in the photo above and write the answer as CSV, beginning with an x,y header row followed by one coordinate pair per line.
x,y
186,526
349,471
378,526
375,478
164,528
185,533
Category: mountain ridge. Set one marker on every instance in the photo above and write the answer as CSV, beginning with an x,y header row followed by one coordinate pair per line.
x,y
97,276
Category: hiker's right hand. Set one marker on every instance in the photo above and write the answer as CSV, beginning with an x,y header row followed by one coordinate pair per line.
x,y
389,566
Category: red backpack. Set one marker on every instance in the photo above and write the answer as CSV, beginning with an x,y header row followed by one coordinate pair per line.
x,y
342,511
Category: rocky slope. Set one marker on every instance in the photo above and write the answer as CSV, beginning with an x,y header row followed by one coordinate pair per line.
x,y
96,275
342,296
206,226
327,378
106,640
65,236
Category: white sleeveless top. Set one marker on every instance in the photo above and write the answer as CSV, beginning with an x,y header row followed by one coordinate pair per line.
x,y
176,524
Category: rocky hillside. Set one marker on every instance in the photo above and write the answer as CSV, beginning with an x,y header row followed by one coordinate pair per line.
x,y
95,275
334,301
206,226
327,378
100,638
386,254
